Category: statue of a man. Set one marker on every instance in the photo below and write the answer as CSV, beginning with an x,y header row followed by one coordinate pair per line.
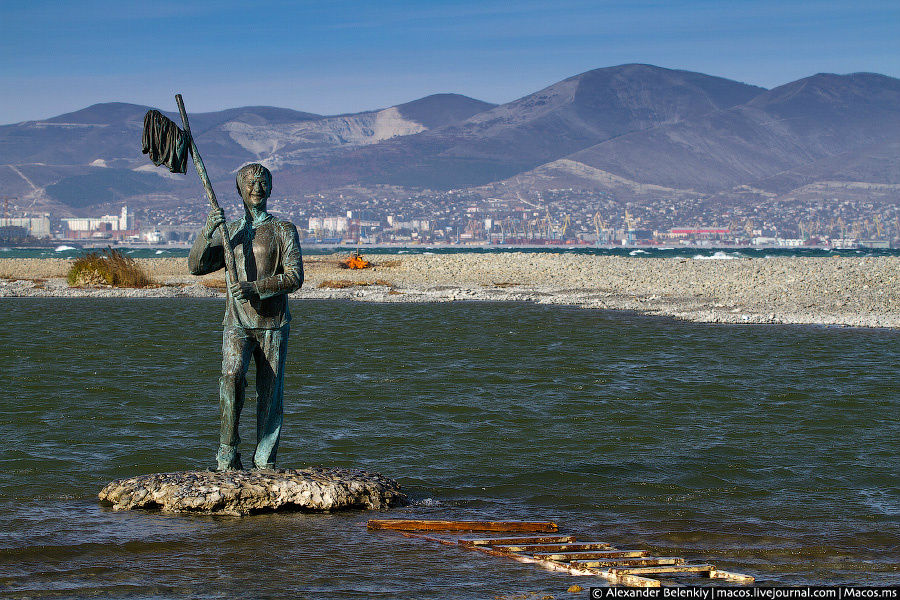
x,y
269,267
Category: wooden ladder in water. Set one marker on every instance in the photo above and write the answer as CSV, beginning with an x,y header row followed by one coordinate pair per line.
x,y
539,543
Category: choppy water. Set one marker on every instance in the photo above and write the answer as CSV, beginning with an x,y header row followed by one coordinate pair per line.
x,y
769,450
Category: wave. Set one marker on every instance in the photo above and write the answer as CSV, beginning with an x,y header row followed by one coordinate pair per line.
x,y
718,255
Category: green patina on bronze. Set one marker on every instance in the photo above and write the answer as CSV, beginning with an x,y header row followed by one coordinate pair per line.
x,y
263,262
257,316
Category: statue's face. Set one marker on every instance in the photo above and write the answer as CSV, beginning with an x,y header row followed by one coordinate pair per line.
x,y
255,191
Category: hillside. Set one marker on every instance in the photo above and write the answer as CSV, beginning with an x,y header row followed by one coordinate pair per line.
x,y
780,139
568,116
93,156
633,131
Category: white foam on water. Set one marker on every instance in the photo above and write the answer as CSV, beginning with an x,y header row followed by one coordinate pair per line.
x,y
65,248
427,502
880,501
160,251
718,255
636,252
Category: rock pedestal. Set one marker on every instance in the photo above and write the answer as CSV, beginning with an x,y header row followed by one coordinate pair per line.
x,y
247,492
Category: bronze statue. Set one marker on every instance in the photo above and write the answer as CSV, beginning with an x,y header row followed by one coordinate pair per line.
x,y
269,266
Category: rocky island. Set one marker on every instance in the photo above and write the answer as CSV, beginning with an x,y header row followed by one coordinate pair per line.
x,y
239,493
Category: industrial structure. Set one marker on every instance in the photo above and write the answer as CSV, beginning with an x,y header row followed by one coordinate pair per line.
x,y
112,227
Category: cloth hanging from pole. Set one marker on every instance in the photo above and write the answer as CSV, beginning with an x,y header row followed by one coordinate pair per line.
x,y
164,142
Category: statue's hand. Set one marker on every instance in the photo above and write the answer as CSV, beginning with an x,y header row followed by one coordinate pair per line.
x,y
244,291
213,221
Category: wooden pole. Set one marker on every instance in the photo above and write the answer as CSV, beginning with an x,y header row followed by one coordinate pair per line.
x,y
230,265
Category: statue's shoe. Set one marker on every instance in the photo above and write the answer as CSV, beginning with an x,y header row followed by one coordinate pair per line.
x,y
228,459
229,465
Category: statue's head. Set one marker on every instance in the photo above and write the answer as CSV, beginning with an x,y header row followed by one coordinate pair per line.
x,y
254,184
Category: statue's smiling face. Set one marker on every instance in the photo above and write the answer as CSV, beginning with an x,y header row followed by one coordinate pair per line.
x,y
254,182
256,190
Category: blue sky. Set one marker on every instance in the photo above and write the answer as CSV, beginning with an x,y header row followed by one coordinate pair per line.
x,y
334,57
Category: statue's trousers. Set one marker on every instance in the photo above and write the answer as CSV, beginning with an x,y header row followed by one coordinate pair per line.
x,y
268,347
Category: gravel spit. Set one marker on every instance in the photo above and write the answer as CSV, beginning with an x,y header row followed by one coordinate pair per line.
x,y
857,292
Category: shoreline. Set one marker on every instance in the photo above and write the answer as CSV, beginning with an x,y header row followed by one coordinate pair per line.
x,y
838,291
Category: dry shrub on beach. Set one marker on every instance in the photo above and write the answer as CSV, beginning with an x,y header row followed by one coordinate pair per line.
x,y
109,267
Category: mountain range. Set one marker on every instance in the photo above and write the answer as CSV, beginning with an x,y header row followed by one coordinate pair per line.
x,y
634,130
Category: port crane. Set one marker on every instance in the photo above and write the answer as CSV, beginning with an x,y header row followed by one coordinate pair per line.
x,y
631,224
475,228
547,226
565,226
602,229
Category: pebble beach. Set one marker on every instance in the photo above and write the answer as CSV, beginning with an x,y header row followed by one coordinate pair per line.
x,y
840,291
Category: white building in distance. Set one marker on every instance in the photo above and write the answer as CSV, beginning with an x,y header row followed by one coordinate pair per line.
x,y
38,227
329,225
87,227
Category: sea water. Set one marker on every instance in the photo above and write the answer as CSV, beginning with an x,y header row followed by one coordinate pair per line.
x,y
769,450
65,251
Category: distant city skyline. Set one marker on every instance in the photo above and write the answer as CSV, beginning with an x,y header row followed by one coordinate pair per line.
x,y
341,57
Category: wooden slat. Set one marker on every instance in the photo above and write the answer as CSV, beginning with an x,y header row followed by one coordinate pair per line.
x,y
664,569
622,567
521,539
630,580
575,555
419,525
640,561
554,547
430,538
551,565
736,577
523,558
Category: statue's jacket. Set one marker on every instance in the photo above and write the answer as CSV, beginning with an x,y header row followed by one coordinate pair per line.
x,y
267,253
